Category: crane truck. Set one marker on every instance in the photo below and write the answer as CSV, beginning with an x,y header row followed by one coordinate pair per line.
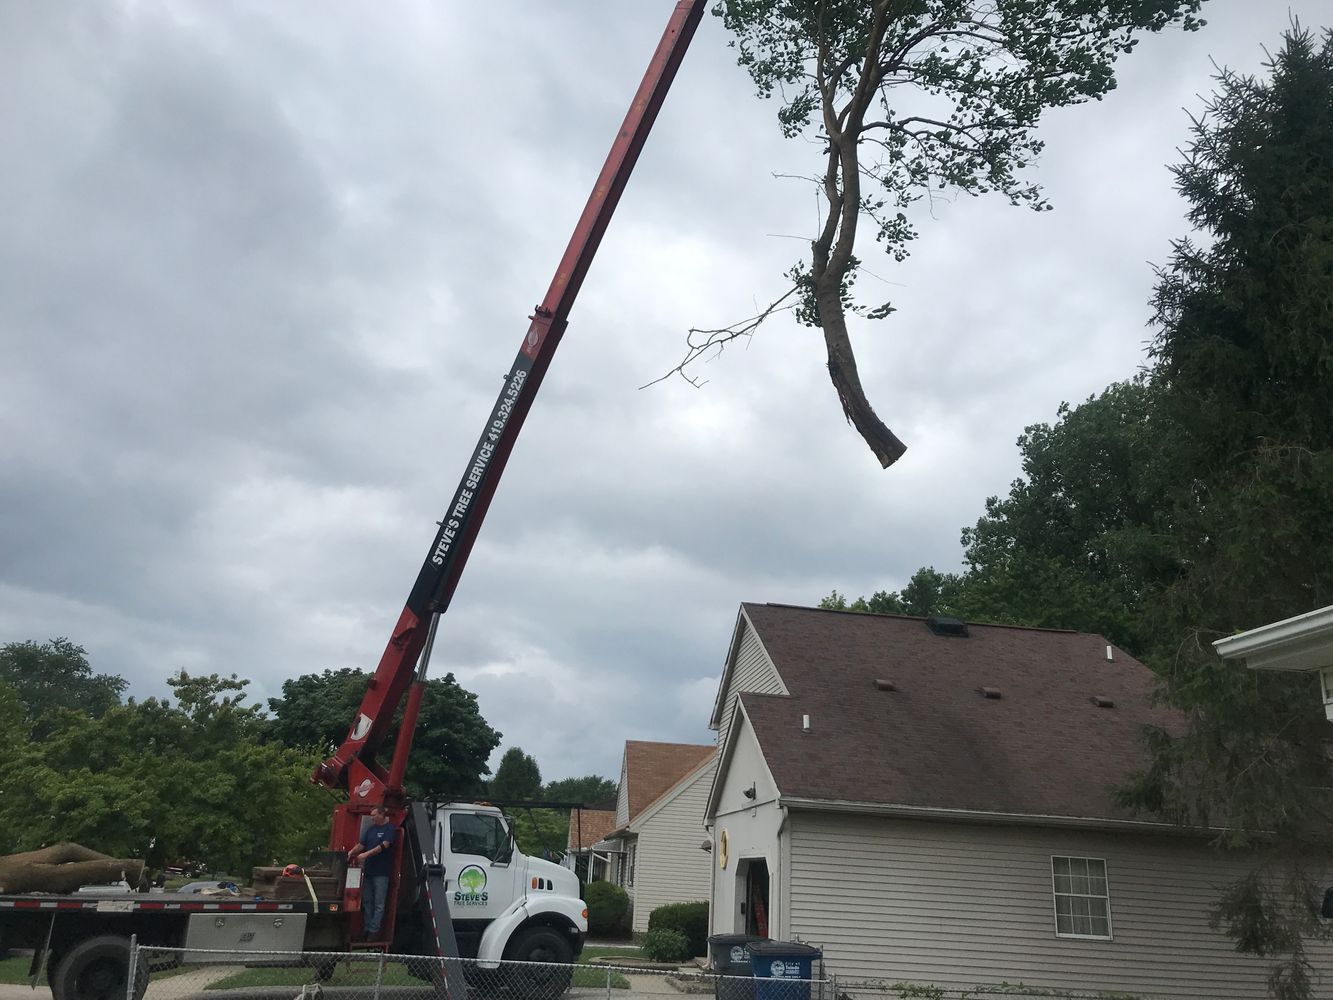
x,y
459,886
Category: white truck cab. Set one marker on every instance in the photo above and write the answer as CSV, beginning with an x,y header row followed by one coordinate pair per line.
x,y
504,904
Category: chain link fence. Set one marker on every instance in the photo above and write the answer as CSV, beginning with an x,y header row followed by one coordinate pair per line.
x,y
200,974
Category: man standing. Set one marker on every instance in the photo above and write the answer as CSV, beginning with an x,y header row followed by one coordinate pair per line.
x,y
374,854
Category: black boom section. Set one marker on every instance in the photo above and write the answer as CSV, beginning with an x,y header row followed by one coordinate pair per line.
x,y
449,551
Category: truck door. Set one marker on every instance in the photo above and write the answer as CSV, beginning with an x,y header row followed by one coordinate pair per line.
x,y
480,866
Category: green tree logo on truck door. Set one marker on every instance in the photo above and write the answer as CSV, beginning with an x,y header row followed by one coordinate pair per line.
x,y
471,887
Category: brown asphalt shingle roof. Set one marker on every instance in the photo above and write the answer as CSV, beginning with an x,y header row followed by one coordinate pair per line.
x,y
594,824
1042,749
652,768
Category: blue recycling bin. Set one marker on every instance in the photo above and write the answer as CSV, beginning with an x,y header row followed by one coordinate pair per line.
x,y
782,969
729,957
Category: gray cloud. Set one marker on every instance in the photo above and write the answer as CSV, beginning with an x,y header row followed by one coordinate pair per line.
x,y
263,266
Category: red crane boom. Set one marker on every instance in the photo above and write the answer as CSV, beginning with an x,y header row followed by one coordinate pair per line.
x,y
353,765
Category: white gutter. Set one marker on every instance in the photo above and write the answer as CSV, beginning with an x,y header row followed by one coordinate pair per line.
x,y
976,816
1303,643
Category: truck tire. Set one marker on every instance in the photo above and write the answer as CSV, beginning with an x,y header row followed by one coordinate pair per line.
x,y
97,968
540,946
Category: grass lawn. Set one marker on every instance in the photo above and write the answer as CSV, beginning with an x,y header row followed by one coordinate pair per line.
x,y
364,972
360,973
14,970
626,953
595,975
592,976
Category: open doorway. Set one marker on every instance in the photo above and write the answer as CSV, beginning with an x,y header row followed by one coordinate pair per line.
x,y
752,894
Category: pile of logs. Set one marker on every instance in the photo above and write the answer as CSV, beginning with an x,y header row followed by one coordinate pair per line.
x,y
65,868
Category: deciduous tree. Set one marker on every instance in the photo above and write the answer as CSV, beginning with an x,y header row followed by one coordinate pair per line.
x,y
590,790
910,100
56,674
158,781
517,777
449,750
1244,354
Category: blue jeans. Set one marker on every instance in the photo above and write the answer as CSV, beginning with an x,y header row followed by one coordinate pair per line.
x,y
374,892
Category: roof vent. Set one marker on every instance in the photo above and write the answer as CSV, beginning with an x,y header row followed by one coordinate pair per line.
x,y
1102,702
986,692
1110,653
943,625
884,685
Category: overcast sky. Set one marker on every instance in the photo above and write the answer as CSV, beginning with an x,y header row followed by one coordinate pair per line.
x,y
263,266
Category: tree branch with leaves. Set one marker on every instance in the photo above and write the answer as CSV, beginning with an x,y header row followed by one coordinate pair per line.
x,y
913,100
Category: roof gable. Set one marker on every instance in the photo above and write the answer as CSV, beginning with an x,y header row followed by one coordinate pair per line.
x,y
651,769
593,824
705,769
748,668
897,715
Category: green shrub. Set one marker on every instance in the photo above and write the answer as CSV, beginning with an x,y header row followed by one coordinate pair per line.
x,y
666,944
607,904
691,919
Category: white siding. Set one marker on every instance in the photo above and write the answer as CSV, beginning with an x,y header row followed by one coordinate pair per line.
x,y
671,866
753,831
751,671
961,905
622,795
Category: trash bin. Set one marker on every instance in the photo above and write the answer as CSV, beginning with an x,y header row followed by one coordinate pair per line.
x,y
729,957
782,969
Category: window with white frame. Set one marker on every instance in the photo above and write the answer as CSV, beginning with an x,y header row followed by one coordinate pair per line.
x,y
1082,897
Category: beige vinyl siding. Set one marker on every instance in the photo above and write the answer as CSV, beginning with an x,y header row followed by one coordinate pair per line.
x,y
961,905
671,866
622,796
751,671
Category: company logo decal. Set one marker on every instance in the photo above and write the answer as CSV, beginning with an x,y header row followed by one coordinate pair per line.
x,y
471,887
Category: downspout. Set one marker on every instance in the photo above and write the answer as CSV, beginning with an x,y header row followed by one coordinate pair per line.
x,y
712,886
784,893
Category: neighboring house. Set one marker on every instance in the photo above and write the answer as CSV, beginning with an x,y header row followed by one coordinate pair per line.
x,y
931,802
1303,644
586,828
657,842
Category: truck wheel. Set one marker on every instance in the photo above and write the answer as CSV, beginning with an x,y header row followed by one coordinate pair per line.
x,y
97,969
541,946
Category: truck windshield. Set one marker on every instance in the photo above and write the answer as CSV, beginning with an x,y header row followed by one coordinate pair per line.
x,y
478,833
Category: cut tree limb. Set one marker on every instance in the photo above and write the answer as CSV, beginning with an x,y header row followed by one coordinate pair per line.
x,y
855,406
64,868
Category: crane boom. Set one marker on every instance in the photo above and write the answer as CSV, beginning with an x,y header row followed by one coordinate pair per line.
x,y
352,766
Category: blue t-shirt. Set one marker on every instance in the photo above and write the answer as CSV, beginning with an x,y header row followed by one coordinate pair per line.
x,y
381,863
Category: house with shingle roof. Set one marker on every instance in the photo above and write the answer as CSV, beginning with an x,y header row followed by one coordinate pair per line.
x,y
656,844
932,801
586,828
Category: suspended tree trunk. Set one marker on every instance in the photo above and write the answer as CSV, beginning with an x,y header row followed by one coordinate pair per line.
x,y
64,868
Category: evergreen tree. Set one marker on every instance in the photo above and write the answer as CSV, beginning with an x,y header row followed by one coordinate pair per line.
x,y
1244,363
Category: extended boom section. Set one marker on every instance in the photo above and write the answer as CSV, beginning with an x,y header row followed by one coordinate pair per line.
x,y
353,765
